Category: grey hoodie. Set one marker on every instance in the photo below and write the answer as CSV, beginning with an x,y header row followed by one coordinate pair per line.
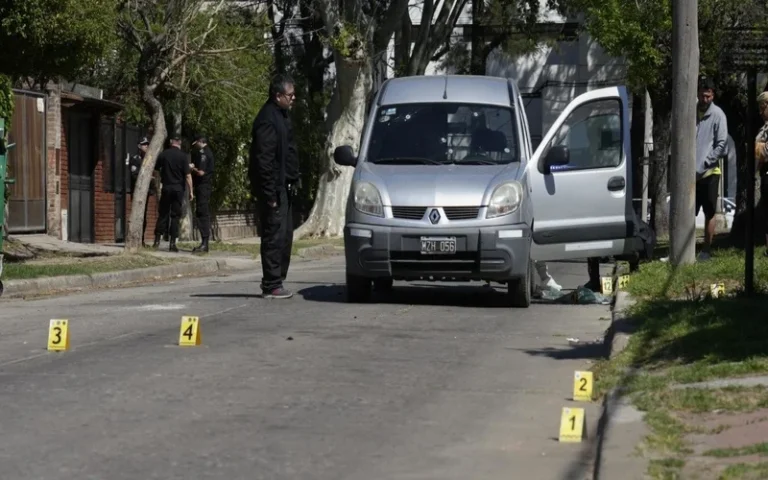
x,y
711,138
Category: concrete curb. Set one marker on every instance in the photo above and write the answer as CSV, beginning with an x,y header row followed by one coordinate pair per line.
x,y
616,339
323,250
21,288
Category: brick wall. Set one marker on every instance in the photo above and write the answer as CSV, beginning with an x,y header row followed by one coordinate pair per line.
x,y
54,151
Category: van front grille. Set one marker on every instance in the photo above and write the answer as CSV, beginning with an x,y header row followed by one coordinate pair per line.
x,y
409,213
461,213
453,213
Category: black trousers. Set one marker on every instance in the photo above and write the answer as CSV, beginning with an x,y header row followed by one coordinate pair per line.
x,y
203,209
276,240
171,199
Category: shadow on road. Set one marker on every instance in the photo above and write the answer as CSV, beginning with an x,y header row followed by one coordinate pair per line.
x,y
581,351
471,296
226,295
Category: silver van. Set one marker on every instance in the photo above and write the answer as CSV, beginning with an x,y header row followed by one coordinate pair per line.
x,y
447,186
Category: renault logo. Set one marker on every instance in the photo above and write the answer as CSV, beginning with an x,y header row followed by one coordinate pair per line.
x,y
434,216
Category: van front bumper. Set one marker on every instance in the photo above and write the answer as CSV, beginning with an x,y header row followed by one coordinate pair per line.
x,y
496,253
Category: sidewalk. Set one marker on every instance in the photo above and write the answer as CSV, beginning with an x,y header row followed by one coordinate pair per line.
x,y
175,264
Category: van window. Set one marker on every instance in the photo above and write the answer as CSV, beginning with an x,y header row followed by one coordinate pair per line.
x,y
593,135
445,133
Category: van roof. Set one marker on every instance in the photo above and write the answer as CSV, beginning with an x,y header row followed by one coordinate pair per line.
x,y
456,88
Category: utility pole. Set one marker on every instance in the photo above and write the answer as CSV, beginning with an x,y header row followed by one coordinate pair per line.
x,y
685,70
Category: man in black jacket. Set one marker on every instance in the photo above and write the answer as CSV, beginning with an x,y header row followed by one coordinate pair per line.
x,y
274,174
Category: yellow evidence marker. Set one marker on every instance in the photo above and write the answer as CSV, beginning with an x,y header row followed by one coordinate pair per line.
x,y
623,281
717,289
572,429
582,386
190,334
607,283
58,335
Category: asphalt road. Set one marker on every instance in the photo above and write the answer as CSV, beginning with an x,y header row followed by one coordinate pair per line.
x,y
435,382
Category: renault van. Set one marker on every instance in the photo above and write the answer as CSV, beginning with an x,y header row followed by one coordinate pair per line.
x,y
447,186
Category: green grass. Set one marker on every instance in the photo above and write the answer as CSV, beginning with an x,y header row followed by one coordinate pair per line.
x,y
741,471
680,336
21,270
253,249
661,280
756,449
665,468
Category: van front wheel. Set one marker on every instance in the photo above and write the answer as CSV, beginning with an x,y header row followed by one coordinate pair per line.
x,y
358,289
519,291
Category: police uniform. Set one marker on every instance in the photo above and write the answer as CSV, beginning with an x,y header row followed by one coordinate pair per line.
x,y
135,167
174,169
202,180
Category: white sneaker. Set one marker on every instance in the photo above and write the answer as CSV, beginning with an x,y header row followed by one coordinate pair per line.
x,y
551,284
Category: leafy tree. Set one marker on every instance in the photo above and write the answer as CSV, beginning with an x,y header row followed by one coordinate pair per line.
x,y
167,35
641,32
47,39
358,33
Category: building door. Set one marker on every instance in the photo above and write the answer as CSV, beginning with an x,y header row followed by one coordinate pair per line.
x,y
81,148
27,164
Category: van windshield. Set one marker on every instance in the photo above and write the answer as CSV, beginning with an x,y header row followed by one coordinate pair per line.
x,y
444,133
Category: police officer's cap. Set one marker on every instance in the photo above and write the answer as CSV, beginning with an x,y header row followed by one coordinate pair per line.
x,y
144,141
200,138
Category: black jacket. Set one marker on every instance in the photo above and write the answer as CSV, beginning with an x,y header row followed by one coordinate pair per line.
x,y
135,166
272,160
203,160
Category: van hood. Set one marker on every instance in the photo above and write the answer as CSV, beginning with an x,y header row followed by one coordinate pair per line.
x,y
436,185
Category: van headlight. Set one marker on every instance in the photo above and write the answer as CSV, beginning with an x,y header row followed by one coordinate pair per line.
x,y
505,199
368,199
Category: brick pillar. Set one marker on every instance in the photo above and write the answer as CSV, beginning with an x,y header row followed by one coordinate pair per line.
x,y
53,169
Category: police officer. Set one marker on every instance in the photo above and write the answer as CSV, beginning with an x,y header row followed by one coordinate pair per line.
x,y
135,167
175,172
202,179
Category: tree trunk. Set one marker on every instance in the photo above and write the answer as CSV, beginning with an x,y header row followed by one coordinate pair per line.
x,y
477,62
353,82
658,185
139,197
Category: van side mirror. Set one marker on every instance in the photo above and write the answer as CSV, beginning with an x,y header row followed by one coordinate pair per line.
x,y
557,155
344,156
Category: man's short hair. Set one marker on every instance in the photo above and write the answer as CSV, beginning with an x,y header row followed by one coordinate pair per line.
x,y
706,83
279,84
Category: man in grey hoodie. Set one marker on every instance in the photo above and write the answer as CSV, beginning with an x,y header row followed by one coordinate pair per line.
x,y
711,137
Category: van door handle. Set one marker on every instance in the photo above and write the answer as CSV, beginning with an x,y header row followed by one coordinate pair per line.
x,y
616,183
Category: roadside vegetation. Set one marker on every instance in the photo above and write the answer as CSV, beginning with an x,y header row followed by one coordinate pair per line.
x,y
683,333
253,249
70,265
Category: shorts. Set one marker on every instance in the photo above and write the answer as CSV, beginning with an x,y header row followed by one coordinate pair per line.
x,y
706,195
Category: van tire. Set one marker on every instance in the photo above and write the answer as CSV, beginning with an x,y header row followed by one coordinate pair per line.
x,y
383,284
358,289
519,291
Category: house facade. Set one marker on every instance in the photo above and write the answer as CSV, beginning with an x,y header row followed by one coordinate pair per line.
x,y
70,166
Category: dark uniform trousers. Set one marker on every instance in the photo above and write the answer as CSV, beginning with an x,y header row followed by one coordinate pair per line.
x,y
203,208
171,200
276,239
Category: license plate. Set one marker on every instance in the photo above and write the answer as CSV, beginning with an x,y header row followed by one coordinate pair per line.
x,y
438,246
